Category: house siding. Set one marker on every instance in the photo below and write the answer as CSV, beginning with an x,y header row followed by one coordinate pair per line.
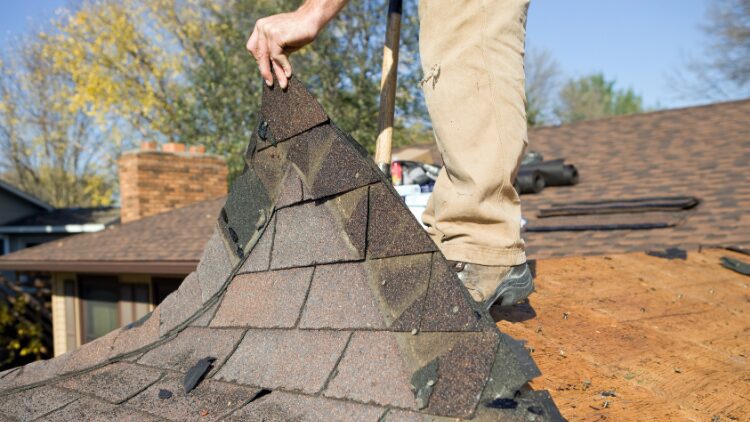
x,y
66,310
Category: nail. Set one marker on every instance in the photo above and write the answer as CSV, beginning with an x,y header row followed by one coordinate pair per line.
x,y
269,82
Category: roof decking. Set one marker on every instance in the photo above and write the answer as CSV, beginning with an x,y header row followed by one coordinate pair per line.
x,y
318,297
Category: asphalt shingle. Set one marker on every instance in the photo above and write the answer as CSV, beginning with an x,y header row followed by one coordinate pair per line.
x,y
283,407
340,298
31,404
389,216
114,383
342,311
282,359
372,371
191,345
264,300
209,401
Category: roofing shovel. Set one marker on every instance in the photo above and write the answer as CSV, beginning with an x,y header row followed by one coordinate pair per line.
x,y
388,88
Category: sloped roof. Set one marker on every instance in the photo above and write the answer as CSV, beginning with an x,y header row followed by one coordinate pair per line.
x,y
170,242
318,297
697,151
25,196
63,216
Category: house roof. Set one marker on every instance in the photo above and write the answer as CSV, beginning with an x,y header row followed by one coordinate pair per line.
x,y
167,243
318,297
65,220
25,196
698,151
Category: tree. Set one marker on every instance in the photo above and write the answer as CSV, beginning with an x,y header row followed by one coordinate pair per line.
x,y
593,97
25,322
542,86
177,70
45,149
723,70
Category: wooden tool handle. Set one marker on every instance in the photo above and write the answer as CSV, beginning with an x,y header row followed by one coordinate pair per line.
x,y
388,87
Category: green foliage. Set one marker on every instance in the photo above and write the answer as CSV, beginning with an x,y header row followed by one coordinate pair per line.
x,y
24,324
178,71
593,97
45,148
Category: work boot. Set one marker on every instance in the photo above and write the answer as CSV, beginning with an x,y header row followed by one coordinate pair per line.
x,y
489,284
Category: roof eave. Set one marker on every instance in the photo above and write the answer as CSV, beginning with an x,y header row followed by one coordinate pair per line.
x,y
103,267
66,228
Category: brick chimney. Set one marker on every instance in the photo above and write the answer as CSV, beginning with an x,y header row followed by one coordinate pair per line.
x,y
153,181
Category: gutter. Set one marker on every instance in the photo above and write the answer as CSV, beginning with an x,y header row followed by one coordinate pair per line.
x,y
67,228
102,267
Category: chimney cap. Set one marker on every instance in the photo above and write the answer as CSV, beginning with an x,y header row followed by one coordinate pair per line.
x,y
174,147
149,146
198,149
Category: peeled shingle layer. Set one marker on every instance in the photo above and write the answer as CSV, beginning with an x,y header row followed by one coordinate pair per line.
x,y
318,297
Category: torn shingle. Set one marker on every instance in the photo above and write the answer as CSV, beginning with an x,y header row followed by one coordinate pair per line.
x,y
312,233
196,373
342,310
291,111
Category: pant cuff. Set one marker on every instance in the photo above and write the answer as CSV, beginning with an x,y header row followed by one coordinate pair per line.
x,y
484,256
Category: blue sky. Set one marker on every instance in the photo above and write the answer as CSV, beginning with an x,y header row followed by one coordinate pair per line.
x,y
636,42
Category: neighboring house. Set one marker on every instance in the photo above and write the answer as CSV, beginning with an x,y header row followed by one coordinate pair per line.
x,y
701,151
26,221
103,280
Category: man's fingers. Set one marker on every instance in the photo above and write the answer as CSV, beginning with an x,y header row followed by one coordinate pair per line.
x,y
262,55
252,43
264,64
282,60
280,75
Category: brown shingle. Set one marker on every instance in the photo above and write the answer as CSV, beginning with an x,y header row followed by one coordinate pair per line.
x,y
340,298
192,345
210,400
372,371
114,383
282,407
264,300
349,346
284,359
388,217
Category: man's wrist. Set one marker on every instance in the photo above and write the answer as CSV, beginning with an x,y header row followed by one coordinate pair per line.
x,y
314,16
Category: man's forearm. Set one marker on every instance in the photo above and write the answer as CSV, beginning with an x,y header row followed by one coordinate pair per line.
x,y
321,11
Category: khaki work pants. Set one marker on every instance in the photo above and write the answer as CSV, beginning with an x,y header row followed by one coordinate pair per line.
x,y
472,55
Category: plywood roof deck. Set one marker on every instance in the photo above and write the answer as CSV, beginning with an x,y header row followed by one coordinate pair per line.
x,y
670,338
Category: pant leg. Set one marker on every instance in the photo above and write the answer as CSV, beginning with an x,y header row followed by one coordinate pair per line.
x,y
474,49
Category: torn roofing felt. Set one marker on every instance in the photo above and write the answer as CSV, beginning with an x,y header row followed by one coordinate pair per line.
x,y
318,297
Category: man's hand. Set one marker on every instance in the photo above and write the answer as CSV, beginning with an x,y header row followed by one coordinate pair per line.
x,y
274,38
